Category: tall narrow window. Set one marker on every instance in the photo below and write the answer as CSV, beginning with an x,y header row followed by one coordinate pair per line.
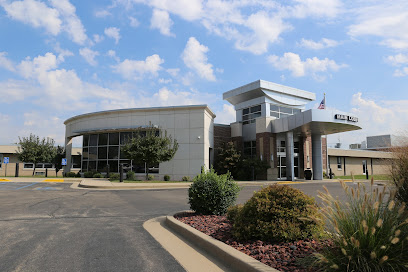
x,y
339,163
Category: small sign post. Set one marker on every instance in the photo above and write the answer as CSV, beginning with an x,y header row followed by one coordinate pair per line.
x,y
6,161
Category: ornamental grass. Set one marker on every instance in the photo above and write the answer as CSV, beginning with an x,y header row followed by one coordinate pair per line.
x,y
369,231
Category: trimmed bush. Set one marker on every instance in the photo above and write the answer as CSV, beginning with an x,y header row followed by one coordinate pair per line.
x,y
114,176
369,231
166,178
130,175
186,178
276,213
150,177
78,175
211,193
70,174
89,174
97,175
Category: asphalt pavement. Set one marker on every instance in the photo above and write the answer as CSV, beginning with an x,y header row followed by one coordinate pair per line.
x,y
49,226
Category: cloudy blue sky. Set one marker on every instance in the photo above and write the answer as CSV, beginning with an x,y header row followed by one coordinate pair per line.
x,y
60,58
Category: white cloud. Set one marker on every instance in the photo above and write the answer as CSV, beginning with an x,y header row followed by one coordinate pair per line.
x,y
5,62
71,23
173,71
59,17
134,69
62,53
165,81
187,9
311,66
315,8
195,58
89,55
102,13
226,116
388,21
323,43
112,54
38,66
166,97
161,20
134,22
16,90
113,32
398,61
98,38
401,72
34,13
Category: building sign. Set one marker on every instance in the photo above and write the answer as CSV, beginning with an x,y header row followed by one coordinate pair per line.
x,y
6,160
64,162
346,117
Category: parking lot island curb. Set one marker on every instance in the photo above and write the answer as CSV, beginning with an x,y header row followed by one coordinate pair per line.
x,y
228,255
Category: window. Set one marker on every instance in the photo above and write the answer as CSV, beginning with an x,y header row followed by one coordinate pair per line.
x,y
249,114
281,146
338,163
280,111
250,149
38,165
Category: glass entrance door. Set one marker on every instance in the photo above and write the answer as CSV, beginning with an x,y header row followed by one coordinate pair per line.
x,y
282,166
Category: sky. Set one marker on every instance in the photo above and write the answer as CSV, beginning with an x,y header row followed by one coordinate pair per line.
x,y
61,58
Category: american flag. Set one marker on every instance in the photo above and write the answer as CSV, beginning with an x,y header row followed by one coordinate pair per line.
x,y
322,105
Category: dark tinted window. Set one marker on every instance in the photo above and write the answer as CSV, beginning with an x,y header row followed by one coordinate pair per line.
x,y
93,151
125,137
113,138
93,140
256,108
102,152
286,110
113,152
85,140
103,139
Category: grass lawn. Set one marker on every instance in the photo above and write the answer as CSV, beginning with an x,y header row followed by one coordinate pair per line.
x,y
376,177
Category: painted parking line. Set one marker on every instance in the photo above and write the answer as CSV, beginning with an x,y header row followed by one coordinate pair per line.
x,y
4,179
290,182
53,180
48,188
26,186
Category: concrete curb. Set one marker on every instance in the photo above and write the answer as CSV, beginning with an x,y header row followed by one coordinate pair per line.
x,y
231,257
141,187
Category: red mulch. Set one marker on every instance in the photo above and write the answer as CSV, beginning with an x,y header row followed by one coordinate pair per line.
x,y
281,256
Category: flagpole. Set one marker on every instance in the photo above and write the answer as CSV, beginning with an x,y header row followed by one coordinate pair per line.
x,y
327,144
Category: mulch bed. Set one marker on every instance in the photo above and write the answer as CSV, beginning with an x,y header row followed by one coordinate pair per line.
x,y
281,256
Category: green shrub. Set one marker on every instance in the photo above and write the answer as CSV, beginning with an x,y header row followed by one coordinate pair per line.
x,y
233,212
97,175
276,213
130,175
70,174
186,178
369,231
150,177
78,175
166,178
211,193
89,174
114,176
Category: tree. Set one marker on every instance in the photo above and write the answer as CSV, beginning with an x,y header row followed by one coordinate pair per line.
x,y
57,160
34,150
152,148
228,159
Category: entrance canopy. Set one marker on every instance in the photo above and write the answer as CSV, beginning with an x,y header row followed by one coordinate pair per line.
x,y
316,122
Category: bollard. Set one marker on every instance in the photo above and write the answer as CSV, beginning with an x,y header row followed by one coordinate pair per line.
x,y
107,170
46,172
121,172
17,166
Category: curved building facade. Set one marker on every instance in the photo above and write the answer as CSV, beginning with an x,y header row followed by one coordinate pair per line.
x,y
104,133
